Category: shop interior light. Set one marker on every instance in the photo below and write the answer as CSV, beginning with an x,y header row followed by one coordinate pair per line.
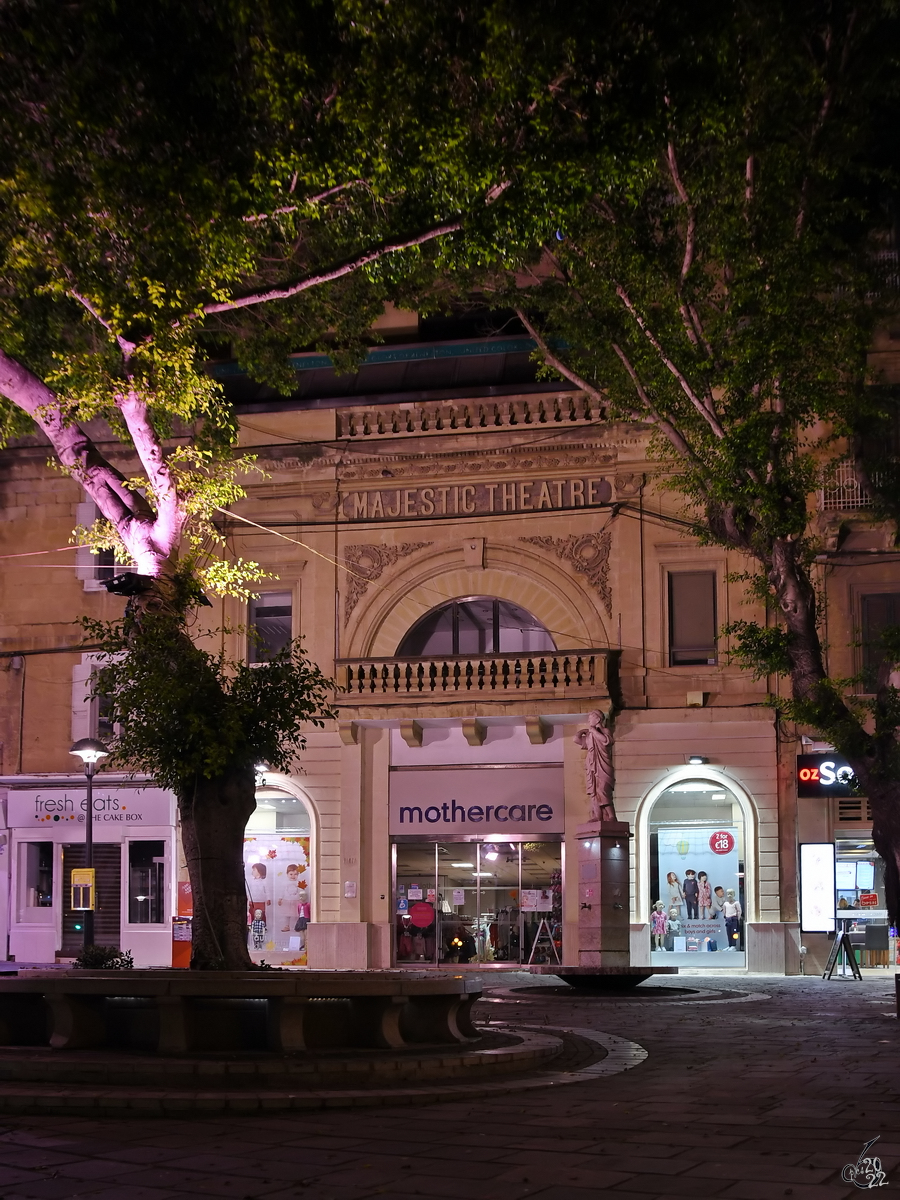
x,y
697,760
490,852
480,873
462,864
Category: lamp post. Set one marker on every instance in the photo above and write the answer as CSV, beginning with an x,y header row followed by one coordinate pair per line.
x,y
90,751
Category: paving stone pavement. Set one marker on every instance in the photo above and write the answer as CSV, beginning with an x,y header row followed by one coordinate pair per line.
x,y
750,1099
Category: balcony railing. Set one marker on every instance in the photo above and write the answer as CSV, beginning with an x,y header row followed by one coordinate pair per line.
x,y
403,679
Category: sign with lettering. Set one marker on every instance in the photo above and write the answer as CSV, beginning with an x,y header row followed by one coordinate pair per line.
x,y
824,775
868,900
58,814
477,499
477,802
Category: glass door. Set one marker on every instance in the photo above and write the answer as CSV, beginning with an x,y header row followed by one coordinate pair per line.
x,y
477,902
415,905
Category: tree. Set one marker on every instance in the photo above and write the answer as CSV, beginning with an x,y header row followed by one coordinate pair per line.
x,y
712,252
178,179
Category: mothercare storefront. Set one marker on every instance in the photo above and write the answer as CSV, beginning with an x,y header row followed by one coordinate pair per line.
x,y
476,845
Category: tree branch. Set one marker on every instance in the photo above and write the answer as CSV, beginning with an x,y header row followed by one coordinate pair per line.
x,y
106,486
557,363
124,345
674,436
706,411
691,231
317,199
337,272
169,518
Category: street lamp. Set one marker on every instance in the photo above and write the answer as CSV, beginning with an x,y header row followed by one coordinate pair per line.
x,y
90,751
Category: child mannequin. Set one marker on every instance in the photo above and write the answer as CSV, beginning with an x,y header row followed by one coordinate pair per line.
x,y
718,899
704,896
691,890
674,928
731,911
676,895
258,929
658,924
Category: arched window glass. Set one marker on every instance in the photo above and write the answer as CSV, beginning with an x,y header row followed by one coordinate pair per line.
x,y
697,894
476,625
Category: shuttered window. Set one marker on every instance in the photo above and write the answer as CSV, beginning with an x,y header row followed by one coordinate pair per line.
x,y
692,618
270,625
107,915
879,612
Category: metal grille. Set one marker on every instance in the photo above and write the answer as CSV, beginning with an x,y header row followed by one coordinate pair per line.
x,y
841,491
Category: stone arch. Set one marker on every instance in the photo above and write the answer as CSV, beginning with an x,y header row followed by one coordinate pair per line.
x,y
524,576
750,814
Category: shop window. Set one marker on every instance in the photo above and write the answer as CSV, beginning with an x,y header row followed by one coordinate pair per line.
x,y
270,625
279,879
692,618
879,613
697,894
468,902
146,883
476,625
35,880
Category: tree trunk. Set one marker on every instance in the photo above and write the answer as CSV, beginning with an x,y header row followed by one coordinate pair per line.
x,y
213,818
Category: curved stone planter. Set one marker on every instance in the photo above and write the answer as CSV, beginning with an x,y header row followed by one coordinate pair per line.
x,y
176,1012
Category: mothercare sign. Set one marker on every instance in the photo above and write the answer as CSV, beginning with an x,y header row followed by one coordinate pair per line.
x,y
48,810
477,801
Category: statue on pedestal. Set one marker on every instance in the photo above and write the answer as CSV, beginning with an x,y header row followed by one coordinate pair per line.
x,y
596,740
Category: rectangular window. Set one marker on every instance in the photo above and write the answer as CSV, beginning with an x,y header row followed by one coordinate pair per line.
x,y
692,618
146,883
270,625
35,879
878,613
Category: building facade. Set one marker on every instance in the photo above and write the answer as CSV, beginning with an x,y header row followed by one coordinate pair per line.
x,y
480,562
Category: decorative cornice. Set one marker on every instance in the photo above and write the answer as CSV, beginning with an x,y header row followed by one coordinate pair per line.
x,y
588,554
368,562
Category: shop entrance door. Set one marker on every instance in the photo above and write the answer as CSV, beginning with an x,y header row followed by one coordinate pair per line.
x,y
108,913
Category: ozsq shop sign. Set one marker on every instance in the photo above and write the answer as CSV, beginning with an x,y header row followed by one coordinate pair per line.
x,y
477,499
824,775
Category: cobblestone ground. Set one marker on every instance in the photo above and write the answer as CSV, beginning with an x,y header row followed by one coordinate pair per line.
x,y
750,1099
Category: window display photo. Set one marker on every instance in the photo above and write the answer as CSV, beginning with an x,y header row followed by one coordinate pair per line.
x,y
696,879
278,878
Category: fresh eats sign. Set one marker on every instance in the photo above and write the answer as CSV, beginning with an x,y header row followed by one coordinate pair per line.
x,y
51,809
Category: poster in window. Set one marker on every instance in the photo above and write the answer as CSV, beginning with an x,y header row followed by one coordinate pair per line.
x,y
279,887
698,867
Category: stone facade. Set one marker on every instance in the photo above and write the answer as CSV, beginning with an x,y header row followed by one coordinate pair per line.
x,y
387,513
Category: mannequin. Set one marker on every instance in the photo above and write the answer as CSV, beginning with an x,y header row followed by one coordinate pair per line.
x,y
732,912
658,923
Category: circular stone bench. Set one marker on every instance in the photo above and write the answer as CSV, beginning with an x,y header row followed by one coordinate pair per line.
x,y
176,1012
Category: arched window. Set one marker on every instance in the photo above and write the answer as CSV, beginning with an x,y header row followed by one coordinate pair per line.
x,y
476,625
697,895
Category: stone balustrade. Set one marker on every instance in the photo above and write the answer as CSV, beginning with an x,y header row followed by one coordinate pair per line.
x,y
576,672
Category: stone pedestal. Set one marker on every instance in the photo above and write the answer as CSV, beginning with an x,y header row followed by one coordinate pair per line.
x,y
603,900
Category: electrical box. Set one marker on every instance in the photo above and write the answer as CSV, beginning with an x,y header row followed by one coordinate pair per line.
x,y
83,885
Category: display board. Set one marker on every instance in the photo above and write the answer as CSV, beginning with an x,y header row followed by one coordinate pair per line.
x,y
817,887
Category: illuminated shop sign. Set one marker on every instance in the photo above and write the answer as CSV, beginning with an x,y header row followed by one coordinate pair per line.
x,y
824,775
433,803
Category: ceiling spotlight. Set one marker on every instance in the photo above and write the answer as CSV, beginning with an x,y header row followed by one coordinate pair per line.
x,y
490,852
697,760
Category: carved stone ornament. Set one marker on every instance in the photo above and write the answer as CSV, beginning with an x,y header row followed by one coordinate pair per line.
x,y
367,563
588,554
